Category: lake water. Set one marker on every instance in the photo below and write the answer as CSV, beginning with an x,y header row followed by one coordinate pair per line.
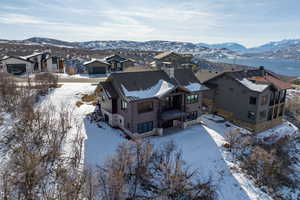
x,y
284,67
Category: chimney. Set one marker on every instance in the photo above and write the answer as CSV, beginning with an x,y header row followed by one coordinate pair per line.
x,y
169,70
262,69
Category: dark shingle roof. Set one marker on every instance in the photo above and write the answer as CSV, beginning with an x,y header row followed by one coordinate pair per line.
x,y
141,81
108,87
185,77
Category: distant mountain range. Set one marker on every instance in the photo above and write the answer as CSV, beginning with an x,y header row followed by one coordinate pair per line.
x,y
285,49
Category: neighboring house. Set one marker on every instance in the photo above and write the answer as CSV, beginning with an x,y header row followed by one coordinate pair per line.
x,y
36,62
118,63
168,59
96,66
253,99
113,63
151,102
17,65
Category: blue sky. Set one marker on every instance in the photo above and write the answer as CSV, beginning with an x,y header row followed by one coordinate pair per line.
x,y
249,22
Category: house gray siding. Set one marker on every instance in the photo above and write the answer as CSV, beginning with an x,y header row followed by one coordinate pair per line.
x,y
233,97
96,68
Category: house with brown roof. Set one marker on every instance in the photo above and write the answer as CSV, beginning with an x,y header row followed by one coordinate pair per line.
x,y
254,99
151,102
167,59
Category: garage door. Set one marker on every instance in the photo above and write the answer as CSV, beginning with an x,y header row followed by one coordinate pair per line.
x,y
16,69
99,70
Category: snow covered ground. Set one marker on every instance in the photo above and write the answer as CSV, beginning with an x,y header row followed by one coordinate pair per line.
x,y
202,149
76,76
65,98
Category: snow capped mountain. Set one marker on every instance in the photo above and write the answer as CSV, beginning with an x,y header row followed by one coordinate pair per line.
x,y
273,46
154,45
285,49
229,45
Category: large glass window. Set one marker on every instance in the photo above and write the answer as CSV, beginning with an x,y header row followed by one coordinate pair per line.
x,y
145,127
145,107
192,98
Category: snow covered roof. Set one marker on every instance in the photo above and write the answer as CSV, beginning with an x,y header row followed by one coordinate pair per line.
x,y
150,84
159,89
95,60
258,87
193,87
16,57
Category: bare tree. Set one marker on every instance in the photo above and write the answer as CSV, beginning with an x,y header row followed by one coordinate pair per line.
x,y
139,171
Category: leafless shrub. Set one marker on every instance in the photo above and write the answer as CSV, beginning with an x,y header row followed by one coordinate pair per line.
x,y
45,81
38,167
139,171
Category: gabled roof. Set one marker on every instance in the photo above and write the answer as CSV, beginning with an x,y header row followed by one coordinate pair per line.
x,y
110,91
279,84
255,80
153,84
95,60
115,57
17,57
165,54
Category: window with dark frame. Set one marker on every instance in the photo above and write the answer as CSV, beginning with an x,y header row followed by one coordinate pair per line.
x,y
264,100
190,99
191,116
124,105
144,107
270,114
281,110
252,100
275,112
251,115
145,127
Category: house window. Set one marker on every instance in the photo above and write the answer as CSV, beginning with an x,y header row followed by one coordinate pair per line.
x,y
252,100
263,114
191,116
270,114
145,127
251,115
192,99
103,98
281,110
145,107
264,100
124,105
283,96
275,112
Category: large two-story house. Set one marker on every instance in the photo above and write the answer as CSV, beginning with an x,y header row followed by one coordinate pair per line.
x,y
33,63
253,99
168,59
151,102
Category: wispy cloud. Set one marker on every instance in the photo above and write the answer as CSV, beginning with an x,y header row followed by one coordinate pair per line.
x,y
19,19
249,22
